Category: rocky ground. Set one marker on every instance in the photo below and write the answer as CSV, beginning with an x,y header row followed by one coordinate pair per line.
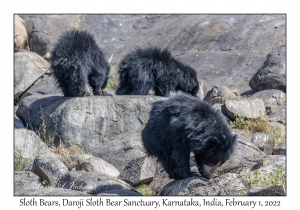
x,y
92,145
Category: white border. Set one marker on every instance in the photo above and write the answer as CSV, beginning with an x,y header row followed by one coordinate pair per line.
x,y
116,6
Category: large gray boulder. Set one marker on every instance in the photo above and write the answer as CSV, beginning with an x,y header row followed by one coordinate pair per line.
x,y
27,145
123,149
97,164
224,49
246,108
272,74
87,121
46,84
271,97
139,171
28,67
49,169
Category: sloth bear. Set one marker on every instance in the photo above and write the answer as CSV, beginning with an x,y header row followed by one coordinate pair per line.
x,y
152,68
183,124
77,62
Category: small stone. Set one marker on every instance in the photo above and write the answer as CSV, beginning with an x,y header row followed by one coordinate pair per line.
x,y
265,142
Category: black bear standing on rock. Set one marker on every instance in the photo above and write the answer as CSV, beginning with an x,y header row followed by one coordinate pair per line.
x,y
183,124
77,62
152,68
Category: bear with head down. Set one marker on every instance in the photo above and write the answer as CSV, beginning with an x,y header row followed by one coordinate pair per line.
x,y
184,124
78,63
155,69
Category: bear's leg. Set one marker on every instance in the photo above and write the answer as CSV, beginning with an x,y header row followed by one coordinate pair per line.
x,y
169,165
125,87
74,83
181,157
97,81
78,89
64,87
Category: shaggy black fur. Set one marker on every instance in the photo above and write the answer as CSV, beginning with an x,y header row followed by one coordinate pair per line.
x,y
152,68
77,61
183,124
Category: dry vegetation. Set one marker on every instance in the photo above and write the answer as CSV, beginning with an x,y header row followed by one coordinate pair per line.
x,y
257,125
61,149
